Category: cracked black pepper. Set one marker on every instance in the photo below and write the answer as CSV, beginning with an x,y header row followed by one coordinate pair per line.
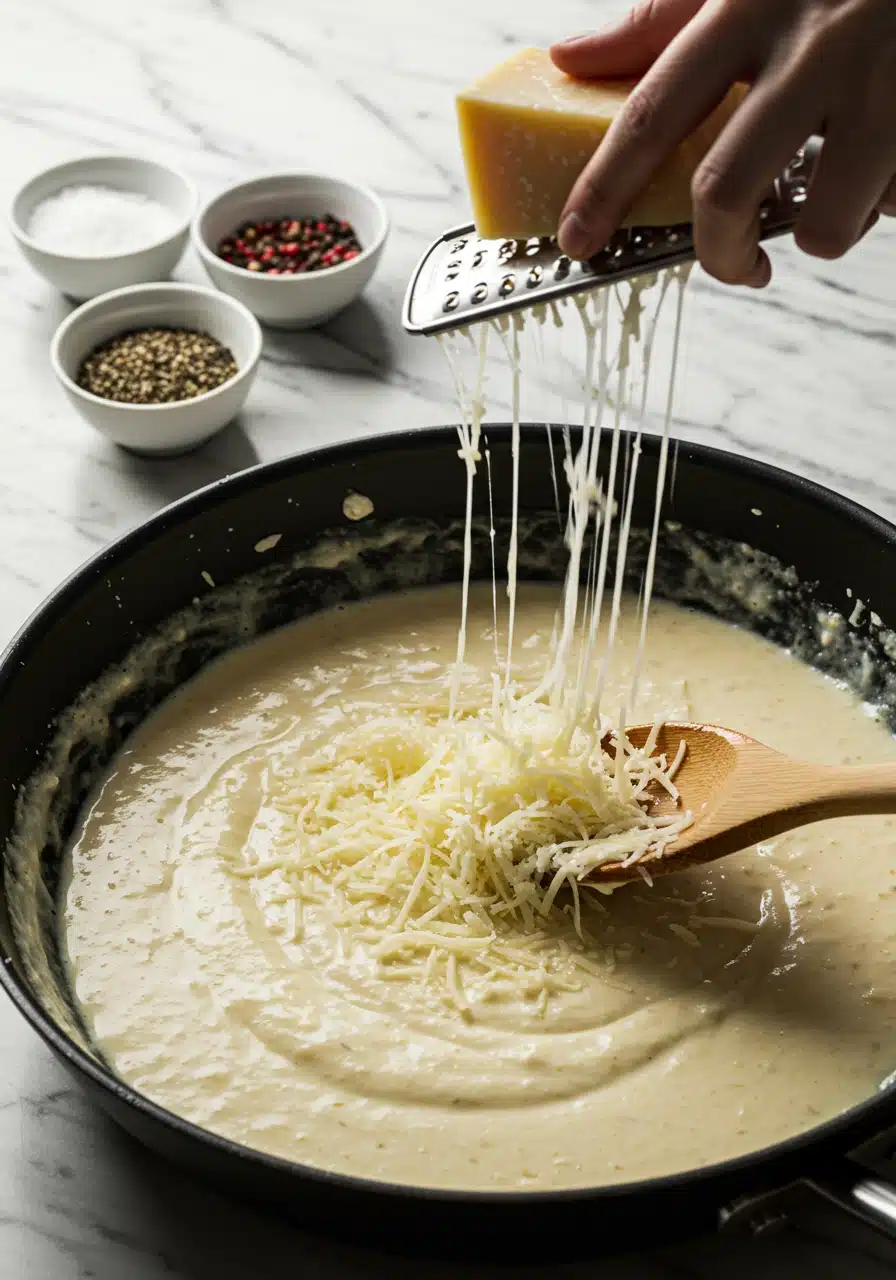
x,y
157,366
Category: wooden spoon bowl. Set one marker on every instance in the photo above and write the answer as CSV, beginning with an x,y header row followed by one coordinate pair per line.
x,y
739,792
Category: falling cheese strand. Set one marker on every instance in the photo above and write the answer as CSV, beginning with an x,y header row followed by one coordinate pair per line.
x,y
446,834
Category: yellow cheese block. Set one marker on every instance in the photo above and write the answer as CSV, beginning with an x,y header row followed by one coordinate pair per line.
x,y
527,130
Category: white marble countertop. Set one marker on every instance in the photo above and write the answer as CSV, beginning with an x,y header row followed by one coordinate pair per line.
x,y
803,375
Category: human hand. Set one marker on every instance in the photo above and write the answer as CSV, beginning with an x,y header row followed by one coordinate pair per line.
x,y
815,66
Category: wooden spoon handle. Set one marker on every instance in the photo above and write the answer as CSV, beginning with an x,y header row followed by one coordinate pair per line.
x,y
775,794
867,788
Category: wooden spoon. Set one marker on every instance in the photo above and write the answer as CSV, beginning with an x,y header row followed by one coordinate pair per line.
x,y
740,792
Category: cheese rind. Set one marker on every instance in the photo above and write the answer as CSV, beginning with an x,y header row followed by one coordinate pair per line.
x,y
527,131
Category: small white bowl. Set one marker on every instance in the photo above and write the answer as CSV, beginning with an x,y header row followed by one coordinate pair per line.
x,y
81,276
293,302
159,429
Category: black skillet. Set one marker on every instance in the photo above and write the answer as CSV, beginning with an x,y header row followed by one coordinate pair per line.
x,y
415,478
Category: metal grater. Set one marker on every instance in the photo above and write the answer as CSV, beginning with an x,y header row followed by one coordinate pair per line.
x,y
463,279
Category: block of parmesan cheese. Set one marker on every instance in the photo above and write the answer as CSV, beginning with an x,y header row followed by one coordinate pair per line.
x,y
527,130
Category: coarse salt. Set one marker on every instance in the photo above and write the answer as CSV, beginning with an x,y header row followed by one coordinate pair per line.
x,y
99,221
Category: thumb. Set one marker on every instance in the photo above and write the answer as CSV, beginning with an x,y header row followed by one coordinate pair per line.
x,y
629,47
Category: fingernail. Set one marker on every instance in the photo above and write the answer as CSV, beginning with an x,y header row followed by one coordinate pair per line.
x,y
563,44
605,29
574,237
760,279
761,273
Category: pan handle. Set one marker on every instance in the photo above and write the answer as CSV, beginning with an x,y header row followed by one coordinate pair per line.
x,y
870,1200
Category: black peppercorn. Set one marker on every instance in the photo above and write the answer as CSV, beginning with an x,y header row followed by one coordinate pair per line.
x,y
157,366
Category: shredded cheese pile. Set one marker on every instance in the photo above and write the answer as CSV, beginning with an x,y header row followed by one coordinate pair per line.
x,y
444,841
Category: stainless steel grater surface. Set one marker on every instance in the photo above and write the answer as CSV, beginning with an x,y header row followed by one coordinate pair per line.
x,y
463,279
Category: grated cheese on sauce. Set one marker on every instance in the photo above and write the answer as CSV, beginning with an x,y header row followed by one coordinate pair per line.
x,y
449,838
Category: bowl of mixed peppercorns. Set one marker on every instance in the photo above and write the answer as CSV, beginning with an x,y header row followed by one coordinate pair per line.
x,y
159,368
294,248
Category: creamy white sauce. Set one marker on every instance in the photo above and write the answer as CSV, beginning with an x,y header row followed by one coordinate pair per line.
x,y
729,1008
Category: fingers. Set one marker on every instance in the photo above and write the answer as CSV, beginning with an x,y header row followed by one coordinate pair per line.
x,y
687,81
629,47
854,172
728,248
739,170
821,80
814,76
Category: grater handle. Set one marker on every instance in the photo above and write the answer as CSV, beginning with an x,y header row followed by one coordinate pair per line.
x,y
791,190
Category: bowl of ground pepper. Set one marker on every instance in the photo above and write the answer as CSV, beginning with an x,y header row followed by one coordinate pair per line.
x,y
295,248
158,368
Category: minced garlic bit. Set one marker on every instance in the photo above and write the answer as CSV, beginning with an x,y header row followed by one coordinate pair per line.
x,y
357,506
268,543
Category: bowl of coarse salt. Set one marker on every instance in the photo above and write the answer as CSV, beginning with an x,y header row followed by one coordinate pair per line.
x,y
103,222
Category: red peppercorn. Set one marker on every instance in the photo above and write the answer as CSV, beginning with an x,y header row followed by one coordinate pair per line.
x,y
290,246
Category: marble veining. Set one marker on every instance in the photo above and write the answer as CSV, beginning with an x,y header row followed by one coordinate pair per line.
x,y
803,375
